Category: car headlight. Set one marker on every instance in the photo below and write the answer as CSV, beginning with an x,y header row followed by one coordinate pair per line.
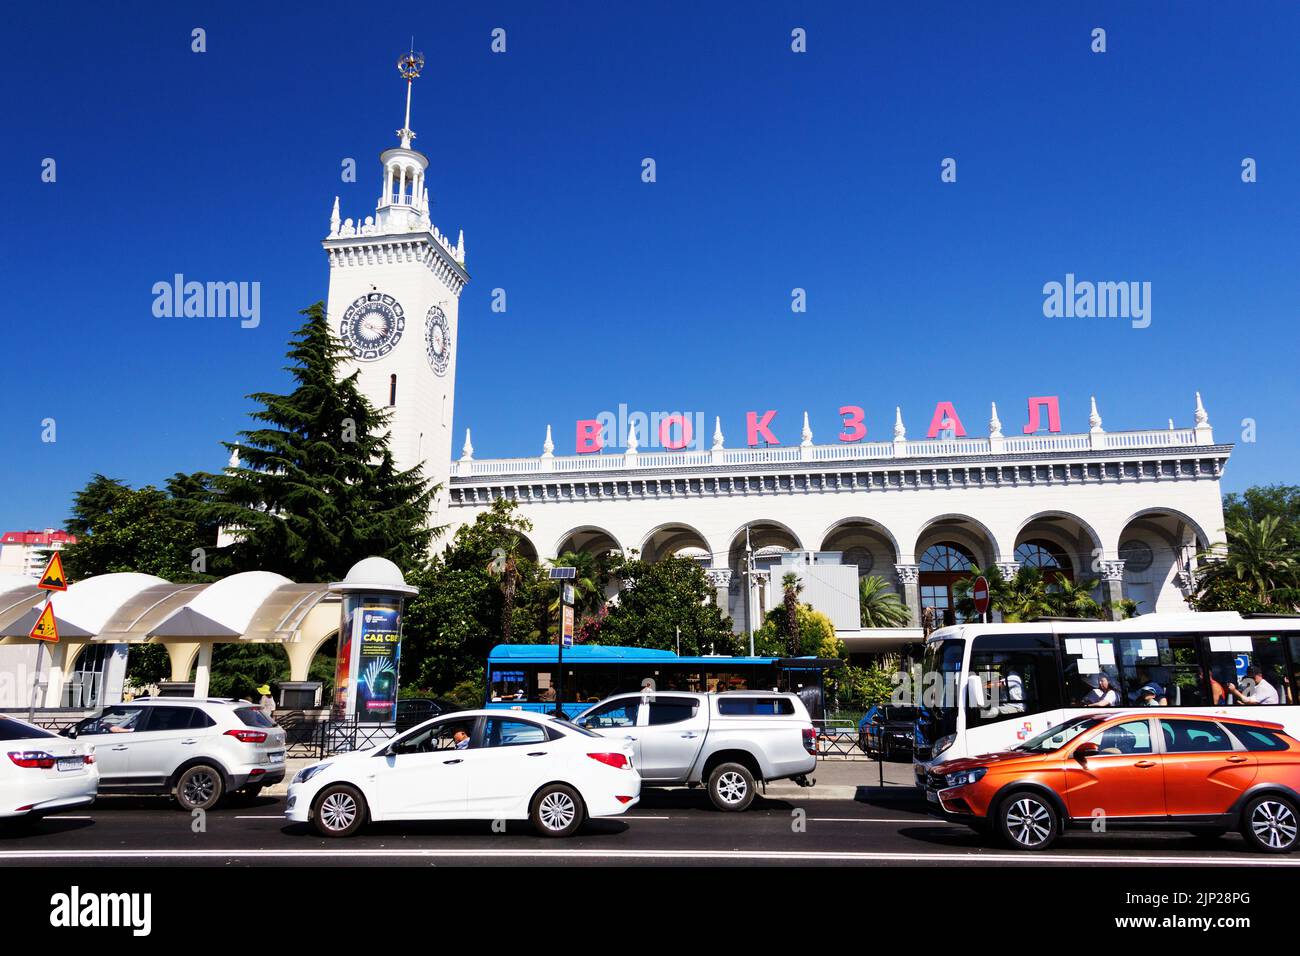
x,y
306,773
943,743
963,777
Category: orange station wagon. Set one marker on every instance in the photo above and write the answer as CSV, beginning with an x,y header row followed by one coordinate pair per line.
x,y
1203,774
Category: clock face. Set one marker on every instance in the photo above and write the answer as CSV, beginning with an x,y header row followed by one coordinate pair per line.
x,y
372,326
437,338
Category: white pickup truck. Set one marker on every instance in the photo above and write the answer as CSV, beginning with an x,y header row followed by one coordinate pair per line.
x,y
725,741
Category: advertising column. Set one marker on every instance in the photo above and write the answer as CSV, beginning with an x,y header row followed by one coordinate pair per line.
x,y
370,642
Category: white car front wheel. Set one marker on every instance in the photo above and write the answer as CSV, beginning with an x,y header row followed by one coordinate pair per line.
x,y
340,811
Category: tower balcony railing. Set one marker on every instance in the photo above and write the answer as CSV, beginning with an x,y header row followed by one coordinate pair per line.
x,y
955,448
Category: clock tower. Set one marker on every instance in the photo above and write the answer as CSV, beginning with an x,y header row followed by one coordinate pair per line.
x,y
394,296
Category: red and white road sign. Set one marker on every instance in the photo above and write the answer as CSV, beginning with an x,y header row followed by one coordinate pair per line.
x,y
979,593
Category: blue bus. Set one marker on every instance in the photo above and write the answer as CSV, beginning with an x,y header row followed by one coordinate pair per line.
x,y
525,676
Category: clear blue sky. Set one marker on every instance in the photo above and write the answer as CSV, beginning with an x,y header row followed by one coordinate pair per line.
x,y
775,171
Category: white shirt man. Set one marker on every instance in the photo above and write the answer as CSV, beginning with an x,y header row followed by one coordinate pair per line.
x,y
1262,693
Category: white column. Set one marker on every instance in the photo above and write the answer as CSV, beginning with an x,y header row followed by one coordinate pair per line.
x,y
203,670
401,192
388,185
54,681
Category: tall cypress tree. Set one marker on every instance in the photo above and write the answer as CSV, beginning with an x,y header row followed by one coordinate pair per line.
x,y
316,488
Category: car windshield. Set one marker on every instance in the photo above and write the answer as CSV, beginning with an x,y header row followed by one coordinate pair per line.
x,y
569,725
1054,738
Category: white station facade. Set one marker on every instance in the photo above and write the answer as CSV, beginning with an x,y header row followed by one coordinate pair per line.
x,y
1130,509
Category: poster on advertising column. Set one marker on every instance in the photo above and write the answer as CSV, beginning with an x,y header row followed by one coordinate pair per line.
x,y
380,642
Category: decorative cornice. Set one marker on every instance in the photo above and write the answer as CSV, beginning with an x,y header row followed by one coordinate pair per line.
x,y
718,577
1192,463
423,248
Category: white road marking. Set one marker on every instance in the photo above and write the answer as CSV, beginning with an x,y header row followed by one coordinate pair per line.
x,y
1032,859
930,821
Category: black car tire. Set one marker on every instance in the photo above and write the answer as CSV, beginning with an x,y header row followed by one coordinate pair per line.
x,y
1028,821
1270,824
339,811
557,811
731,787
200,787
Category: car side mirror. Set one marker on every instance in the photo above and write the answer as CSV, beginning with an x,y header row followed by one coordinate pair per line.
x,y
70,732
1084,751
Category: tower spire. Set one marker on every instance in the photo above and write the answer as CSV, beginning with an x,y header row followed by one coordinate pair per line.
x,y
409,65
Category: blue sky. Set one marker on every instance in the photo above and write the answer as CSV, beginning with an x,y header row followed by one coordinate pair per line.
x,y
775,170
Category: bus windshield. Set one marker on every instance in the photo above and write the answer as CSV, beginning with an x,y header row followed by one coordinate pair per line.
x,y
1054,738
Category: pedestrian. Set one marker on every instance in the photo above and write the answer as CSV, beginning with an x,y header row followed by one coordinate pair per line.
x,y
267,702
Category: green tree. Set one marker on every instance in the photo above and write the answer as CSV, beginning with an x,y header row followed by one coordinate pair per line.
x,y
658,598
1257,555
119,528
317,488
879,606
460,612
791,588
1264,501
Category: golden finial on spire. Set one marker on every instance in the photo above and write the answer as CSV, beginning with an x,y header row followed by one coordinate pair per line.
x,y
409,66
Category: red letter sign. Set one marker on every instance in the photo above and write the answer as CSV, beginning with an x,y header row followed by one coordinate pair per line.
x,y
755,425
854,430
945,417
1053,406
666,431
588,439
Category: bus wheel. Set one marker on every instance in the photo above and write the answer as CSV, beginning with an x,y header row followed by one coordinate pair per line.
x,y
1028,821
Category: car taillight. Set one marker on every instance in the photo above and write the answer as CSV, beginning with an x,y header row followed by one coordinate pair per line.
x,y
90,758
810,739
623,799
248,736
617,761
32,759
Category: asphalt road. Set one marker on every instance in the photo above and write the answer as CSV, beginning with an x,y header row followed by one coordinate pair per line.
x,y
667,828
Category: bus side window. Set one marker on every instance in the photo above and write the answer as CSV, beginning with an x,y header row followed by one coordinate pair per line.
x,y
1233,657
1017,675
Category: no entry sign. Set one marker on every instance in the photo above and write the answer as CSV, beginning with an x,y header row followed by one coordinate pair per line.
x,y
979,593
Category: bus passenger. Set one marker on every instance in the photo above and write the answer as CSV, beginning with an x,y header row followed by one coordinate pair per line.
x,y
1103,695
1262,693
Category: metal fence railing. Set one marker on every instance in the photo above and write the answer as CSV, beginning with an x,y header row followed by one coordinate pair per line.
x,y
837,739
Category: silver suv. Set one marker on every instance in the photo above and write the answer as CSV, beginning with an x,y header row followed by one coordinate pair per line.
x,y
726,742
196,750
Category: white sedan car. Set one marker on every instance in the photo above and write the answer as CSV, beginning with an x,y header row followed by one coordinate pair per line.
x,y
472,765
41,772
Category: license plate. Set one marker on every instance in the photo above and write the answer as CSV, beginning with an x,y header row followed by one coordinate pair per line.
x,y
932,796
71,763
275,758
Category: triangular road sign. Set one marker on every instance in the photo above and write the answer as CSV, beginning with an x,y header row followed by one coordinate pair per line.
x,y
54,579
45,629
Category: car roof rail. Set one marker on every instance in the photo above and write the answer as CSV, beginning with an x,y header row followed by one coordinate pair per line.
x,y
1265,615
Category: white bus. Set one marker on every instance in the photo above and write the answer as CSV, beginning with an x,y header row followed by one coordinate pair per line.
x,y
990,687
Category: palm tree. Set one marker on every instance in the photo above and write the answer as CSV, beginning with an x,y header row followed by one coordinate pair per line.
x,y
504,564
791,586
879,606
1257,554
1074,599
1022,598
589,582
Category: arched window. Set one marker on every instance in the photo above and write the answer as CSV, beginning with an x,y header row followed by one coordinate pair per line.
x,y
941,566
1046,556
946,557
392,390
